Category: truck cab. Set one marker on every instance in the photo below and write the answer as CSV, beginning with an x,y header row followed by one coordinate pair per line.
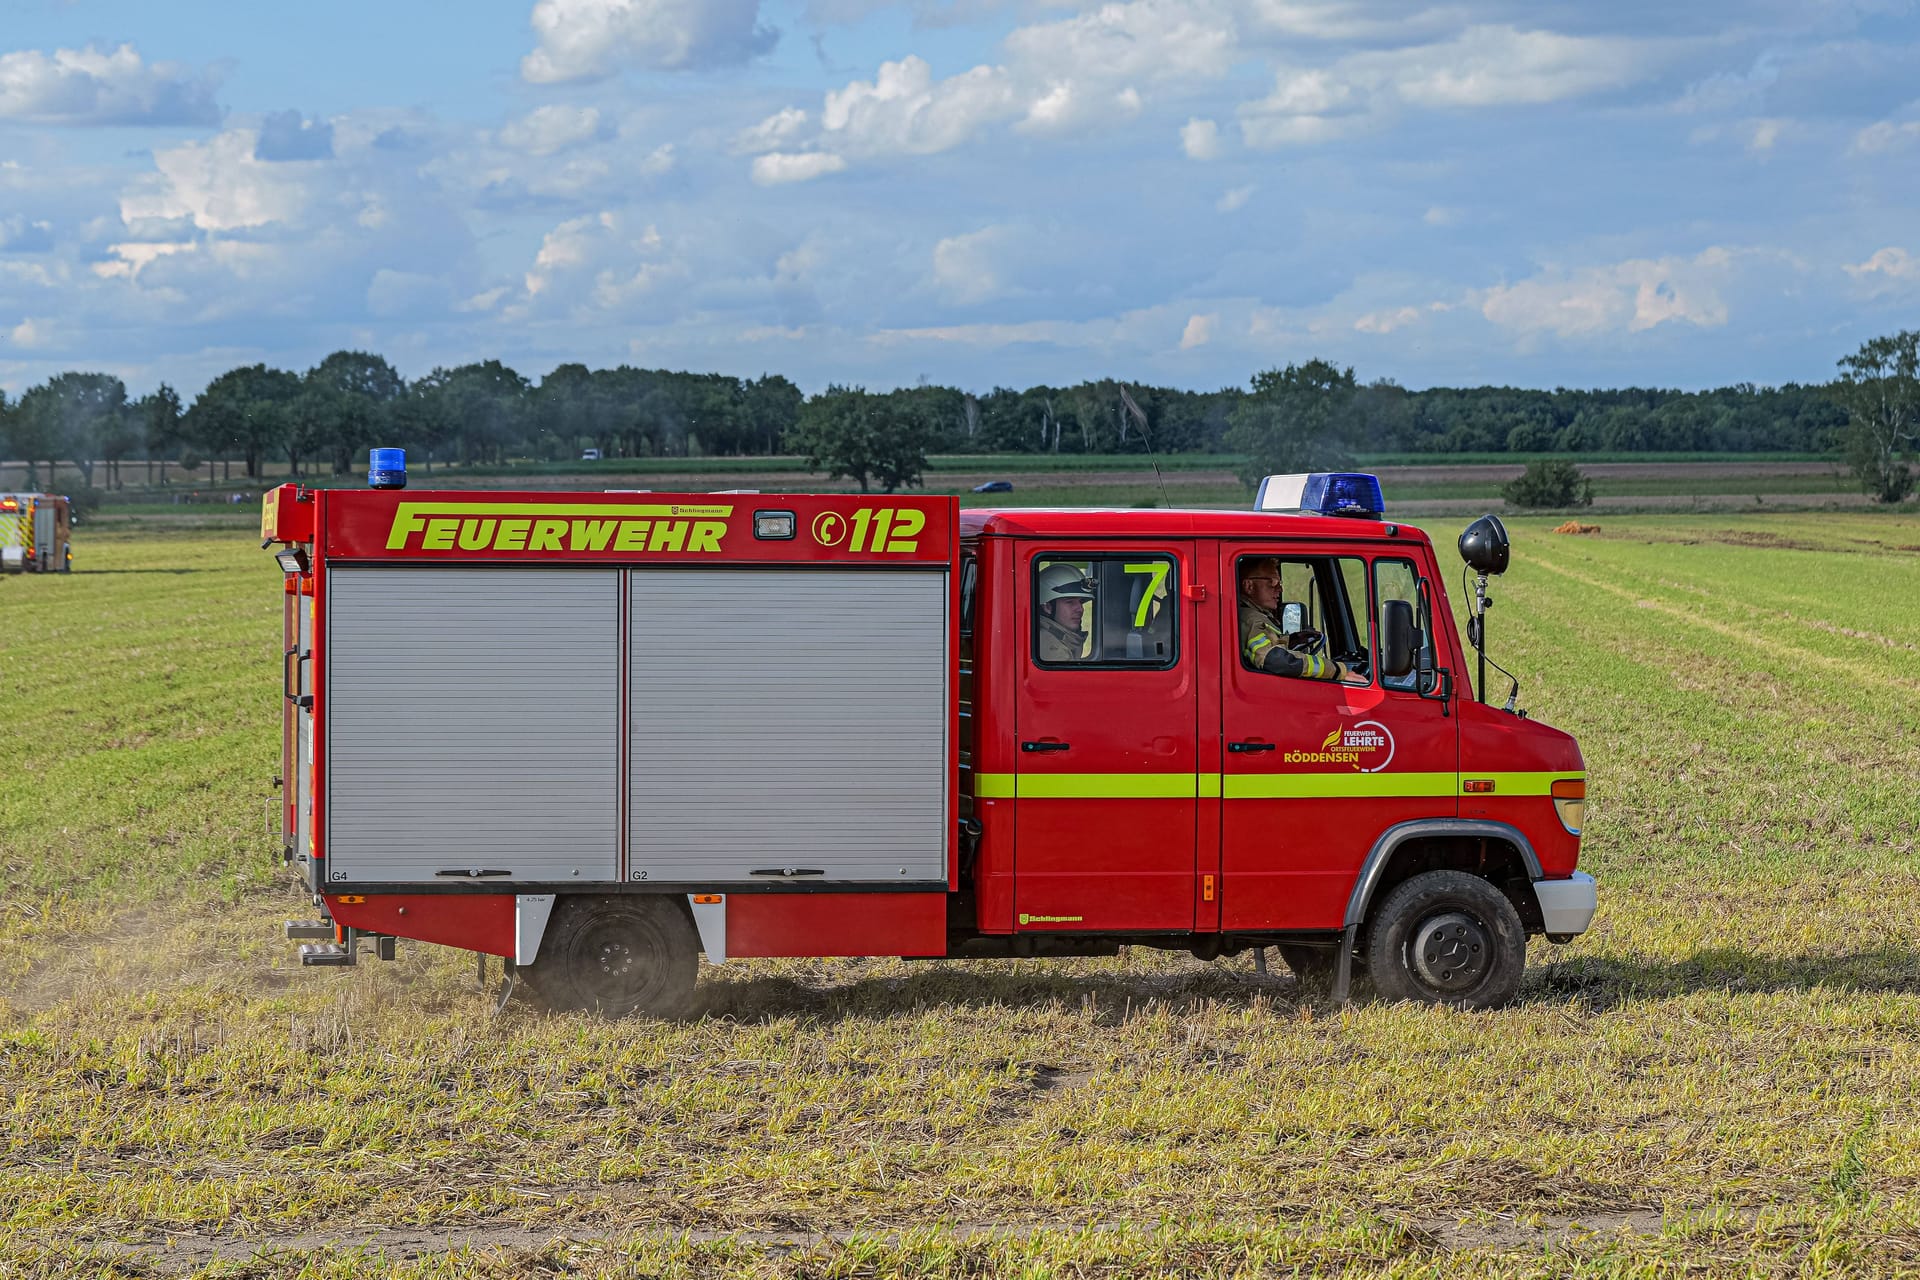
x,y
1152,783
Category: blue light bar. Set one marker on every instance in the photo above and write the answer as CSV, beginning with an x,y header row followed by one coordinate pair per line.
x,y
1323,493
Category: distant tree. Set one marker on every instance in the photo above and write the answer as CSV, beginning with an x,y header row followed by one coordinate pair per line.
x,y
161,432
349,399
1299,418
250,411
1551,482
848,432
771,407
1879,386
68,415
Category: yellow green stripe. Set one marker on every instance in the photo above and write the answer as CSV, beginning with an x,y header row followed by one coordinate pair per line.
x,y
1251,786
1336,786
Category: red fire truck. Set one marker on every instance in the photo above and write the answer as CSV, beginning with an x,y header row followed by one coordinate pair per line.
x,y
35,533
602,734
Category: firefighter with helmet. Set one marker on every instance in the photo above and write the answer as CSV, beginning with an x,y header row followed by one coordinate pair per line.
x,y
1263,645
1064,593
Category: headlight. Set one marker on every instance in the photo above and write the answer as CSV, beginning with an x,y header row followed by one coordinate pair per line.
x,y
1570,802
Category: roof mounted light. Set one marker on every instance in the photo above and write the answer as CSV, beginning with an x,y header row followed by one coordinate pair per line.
x,y
1323,493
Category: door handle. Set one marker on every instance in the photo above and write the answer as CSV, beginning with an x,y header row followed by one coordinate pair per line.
x,y
1045,746
1249,746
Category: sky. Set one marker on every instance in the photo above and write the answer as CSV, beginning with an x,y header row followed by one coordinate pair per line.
x,y
975,193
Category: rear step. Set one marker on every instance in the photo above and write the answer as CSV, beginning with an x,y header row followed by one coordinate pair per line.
x,y
315,930
325,953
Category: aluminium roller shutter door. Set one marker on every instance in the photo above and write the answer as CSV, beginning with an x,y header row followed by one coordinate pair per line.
x,y
788,718
472,723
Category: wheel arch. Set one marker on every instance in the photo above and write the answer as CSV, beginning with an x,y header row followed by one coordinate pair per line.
x,y
1495,851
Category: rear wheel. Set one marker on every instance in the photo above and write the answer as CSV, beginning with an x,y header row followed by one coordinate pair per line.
x,y
1449,938
617,956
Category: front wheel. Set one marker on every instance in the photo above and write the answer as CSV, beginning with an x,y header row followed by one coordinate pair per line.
x,y
617,956
1446,937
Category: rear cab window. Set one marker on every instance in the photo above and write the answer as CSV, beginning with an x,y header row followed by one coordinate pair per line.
x,y
1104,611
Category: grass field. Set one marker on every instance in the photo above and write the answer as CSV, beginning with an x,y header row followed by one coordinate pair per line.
x,y
1719,1079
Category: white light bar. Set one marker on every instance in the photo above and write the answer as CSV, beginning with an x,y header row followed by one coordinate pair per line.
x,y
1281,493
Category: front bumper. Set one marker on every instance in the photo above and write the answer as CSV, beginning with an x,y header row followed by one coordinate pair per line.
x,y
1567,906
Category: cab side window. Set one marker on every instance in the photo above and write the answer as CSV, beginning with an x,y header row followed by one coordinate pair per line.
x,y
1396,580
1319,603
1104,611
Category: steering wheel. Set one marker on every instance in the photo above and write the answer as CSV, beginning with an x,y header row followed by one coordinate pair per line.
x,y
1314,642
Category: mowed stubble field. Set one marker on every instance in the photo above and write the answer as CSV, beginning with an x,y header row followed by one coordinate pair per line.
x,y
1719,1079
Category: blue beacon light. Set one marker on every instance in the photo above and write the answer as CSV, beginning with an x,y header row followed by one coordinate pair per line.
x,y
387,468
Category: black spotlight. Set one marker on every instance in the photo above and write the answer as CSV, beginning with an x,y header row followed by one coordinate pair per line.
x,y
1484,545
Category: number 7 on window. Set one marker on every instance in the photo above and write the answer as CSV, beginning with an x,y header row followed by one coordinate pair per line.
x,y
1159,570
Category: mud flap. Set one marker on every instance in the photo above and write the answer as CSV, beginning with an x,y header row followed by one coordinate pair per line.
x,y
1343,964
710,918
531,911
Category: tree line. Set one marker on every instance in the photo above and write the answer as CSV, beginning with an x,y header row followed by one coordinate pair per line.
x,y
323,421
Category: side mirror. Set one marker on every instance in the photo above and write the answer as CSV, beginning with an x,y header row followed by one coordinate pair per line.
x,y
1398,638
1484,545
1293,617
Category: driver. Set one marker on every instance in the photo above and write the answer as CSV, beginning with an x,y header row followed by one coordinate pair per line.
x,y
1263,645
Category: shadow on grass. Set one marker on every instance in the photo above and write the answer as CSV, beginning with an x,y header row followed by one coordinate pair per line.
x,y
1599,983
1602,982
1113,996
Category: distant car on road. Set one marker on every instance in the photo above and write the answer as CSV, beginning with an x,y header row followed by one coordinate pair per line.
x,y
589,455
994,486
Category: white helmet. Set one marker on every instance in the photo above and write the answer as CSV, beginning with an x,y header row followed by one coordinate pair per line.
x,y
1063,582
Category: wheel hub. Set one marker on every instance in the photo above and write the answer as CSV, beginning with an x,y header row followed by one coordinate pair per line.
x,y
1450,951
616,958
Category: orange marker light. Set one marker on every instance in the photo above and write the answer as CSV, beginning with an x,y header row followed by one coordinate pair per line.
x,y
1477,786
1570,789
709,899
1206,888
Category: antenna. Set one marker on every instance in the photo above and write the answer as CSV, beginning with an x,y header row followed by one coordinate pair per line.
x,y
1140,419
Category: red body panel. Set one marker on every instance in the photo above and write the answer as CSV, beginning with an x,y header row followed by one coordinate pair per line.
x,y
476,921
836,924
1492,742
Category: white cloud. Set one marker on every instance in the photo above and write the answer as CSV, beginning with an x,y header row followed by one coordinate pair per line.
x,y
1483,66
1146,40
1765,133
772,170
220,185
598,262
31,333
771,134
1885,135
1889,268
966,268
1440,216
593,39
904,111
1629,297
1200,139
1199,331
95,86
1387,321
1088,71
551,128
1234,200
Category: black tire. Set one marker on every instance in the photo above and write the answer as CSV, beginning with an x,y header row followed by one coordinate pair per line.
x,y
617,957
1446,937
